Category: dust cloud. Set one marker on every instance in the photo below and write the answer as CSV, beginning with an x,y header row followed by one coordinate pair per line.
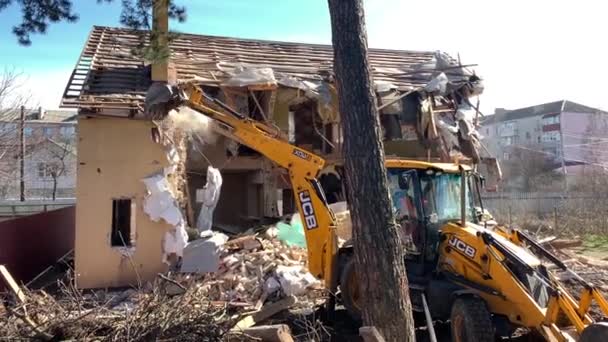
x,y
196,125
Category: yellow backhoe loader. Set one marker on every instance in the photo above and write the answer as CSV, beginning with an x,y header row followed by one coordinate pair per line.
x,y
486,282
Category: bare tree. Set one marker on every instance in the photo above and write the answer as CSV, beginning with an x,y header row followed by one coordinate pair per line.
x,y
591,151
378,251
13,96
532,169
59,163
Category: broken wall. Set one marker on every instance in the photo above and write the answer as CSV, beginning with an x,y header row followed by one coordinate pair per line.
x,y
114,156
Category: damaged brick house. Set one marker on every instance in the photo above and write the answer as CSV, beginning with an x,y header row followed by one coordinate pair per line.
x,y
423,98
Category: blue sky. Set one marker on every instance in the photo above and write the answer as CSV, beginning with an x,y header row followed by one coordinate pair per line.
x,y
528,52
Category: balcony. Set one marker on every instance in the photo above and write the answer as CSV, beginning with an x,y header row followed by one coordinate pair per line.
x,y
551,127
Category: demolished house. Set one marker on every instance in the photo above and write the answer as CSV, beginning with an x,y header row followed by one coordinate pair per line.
x,y
141,182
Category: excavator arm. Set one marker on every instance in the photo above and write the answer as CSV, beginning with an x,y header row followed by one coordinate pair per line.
x,y
303,167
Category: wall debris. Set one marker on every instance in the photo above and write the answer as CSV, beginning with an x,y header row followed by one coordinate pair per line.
x,y
209,196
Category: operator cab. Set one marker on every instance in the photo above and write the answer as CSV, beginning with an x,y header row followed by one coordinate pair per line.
x,y
424,200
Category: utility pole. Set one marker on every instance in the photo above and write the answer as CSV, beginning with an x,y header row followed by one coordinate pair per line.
x,y
22,155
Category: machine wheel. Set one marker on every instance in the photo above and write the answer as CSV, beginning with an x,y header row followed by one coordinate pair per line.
x,y
349,289
595,332
471,321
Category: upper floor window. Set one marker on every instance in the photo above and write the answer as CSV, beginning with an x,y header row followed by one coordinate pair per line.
x,y
550,120
67,131
48,131
551,136
8,127
47,170
510,125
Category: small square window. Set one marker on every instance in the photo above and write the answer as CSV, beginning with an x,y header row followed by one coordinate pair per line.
x,y
67,131
48,131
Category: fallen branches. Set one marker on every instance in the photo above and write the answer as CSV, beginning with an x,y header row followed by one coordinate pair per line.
x,y
254,274
144,316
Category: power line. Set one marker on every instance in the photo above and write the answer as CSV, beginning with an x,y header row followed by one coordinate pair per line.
x,y
558,156
584,136
586,144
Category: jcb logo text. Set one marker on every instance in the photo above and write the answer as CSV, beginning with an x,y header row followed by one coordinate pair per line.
x,y
301,154
310,220
461,246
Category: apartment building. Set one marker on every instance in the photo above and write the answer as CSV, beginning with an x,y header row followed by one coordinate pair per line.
x,y
570,136
50,154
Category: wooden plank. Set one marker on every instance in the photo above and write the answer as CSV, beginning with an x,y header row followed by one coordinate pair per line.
x,y
247,242
370,334
266,312
12,284
566,243
270,333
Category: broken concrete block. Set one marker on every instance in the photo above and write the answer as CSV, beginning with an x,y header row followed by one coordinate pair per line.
x,y
203,255
295,280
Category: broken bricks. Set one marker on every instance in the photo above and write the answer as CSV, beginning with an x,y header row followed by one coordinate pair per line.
x,y
253,268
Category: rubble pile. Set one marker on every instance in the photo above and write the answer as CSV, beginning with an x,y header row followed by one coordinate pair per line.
x,y
253,270
257,278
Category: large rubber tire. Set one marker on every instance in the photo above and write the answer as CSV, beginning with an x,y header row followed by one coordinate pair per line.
x,y
350,290
595,332
471,321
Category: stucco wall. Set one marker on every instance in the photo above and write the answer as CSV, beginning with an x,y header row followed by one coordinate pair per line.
x,y
113,156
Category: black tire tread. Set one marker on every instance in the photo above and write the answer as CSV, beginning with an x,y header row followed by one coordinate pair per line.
x,y
346,268
477,319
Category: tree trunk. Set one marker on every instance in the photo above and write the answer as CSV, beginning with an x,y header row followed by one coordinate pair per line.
x,y
378,250
54,188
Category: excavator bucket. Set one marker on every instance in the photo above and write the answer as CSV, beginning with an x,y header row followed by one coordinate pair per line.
x,y
160,99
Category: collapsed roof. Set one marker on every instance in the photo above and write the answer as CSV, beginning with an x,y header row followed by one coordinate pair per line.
x,y
425,91
108,75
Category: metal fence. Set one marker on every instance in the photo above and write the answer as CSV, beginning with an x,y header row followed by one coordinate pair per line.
x,y
14,208
540,203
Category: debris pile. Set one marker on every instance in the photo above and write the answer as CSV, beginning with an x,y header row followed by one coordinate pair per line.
x,y
257,279
253,270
